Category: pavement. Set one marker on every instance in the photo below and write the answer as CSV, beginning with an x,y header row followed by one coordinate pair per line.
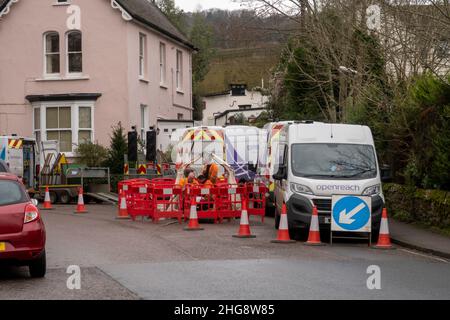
x,y
417,238
122,259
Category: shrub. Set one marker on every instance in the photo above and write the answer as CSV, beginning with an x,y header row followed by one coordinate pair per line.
x,y
91,154
118,148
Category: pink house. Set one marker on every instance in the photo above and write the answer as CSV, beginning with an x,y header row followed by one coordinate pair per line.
x,y
70,69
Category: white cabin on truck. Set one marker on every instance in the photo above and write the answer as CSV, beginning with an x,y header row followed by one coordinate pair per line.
x,y
19,153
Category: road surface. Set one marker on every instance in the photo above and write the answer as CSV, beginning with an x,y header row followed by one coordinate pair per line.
x,y
122,259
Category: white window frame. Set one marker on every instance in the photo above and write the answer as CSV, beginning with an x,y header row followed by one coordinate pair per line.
x,y
56,74
162,64
179,70
91,129
59,128
73,74
144,121
142,55
74,105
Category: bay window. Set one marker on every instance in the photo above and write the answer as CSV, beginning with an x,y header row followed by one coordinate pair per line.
x,y
70,123
84,124
59,127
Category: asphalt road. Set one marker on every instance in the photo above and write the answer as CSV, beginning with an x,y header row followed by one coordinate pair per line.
x,y
141,260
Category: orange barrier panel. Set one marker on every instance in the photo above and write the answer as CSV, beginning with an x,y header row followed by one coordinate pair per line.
x,y
256,194
229,201
167,202
140,200
205,199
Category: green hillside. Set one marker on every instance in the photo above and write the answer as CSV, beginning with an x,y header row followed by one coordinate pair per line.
x,y
243,65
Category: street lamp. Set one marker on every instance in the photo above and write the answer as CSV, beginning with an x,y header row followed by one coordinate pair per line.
x,y
343,89
347,70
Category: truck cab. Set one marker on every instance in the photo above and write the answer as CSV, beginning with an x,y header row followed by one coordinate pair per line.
x,y
19,153
318,160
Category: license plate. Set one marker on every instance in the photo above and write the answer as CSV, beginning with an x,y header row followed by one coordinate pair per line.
x,y
327,220
2,246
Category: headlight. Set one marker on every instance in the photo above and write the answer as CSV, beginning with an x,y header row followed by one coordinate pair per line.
x,y
373,190
299,188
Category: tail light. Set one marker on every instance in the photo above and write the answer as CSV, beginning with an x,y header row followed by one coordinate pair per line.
x,y
31,213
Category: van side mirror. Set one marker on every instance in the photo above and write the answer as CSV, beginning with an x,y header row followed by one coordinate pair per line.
x,y
281,174
386,173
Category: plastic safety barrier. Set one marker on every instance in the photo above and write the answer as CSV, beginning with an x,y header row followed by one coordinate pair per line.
x,y
167,202
229,201
124,185
164,181
256,195
205,198
161,198
140,200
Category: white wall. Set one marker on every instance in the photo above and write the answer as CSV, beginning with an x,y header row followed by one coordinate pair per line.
x,y
166,129
219,104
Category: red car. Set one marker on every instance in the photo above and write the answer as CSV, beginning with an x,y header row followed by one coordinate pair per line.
x,y
22,231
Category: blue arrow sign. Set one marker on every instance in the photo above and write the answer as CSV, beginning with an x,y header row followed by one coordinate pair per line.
x,y
351,213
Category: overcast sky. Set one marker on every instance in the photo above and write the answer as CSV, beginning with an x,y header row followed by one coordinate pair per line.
x,y
192,5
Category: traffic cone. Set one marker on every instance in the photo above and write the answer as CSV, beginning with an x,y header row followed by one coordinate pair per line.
x,y
244,227
193,218
80,206
283,230
123,210
47,202
314,232
384,239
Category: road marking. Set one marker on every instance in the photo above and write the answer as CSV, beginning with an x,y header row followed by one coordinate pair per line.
x,y
426,255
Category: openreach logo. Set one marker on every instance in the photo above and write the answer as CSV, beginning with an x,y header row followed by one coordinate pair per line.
x,y
373,14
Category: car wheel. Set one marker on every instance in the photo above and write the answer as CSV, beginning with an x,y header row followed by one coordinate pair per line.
x,y
64,197
294,233
38,267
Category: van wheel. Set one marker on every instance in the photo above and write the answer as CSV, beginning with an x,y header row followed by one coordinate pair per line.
x,y
277,220
38,267
375,234
64,197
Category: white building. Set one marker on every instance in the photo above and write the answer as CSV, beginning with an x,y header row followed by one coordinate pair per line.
x,y
219,108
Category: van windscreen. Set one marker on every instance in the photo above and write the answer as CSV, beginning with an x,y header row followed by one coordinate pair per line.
x,y
333,161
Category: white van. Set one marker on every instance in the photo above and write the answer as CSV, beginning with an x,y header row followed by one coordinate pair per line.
x,y
318,160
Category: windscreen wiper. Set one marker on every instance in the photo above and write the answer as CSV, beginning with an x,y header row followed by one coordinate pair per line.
x,y
357,173
353,165
319,175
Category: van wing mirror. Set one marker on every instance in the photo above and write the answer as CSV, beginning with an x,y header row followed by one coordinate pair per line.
x,y
386,173
281,174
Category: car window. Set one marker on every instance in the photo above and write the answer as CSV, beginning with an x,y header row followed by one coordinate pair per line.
x,y
11,192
